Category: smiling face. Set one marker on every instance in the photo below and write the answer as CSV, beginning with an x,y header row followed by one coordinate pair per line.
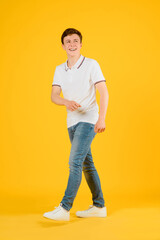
x,y
72,44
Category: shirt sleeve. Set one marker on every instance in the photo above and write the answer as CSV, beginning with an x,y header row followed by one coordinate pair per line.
x,y
96,73
56,78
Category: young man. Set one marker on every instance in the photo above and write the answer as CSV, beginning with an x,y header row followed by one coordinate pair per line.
x,y
78,78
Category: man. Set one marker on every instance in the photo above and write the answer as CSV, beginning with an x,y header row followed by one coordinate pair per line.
x,y
78,78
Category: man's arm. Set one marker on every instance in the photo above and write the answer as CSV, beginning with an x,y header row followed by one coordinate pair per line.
x,y
55,98
104,97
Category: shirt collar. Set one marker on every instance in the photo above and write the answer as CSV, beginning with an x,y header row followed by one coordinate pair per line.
x,y
77,64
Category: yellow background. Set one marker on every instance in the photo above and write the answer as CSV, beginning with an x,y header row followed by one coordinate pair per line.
x,y
123,36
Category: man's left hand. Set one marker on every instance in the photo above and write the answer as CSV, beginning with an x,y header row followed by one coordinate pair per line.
x,y
100,126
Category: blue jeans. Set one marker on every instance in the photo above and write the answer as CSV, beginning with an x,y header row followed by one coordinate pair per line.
x,y
81,136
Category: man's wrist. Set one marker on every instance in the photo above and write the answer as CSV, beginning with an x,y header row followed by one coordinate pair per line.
x,y
65,102
101,118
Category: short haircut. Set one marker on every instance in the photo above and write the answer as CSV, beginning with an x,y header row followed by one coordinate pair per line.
x,y
70,31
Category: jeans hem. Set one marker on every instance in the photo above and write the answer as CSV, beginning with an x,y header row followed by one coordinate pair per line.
x,y
61,204
99,206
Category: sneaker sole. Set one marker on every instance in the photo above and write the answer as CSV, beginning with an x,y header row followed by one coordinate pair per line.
x,y
50,218
95,215
57,219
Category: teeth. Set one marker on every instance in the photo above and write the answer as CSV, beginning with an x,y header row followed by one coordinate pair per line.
x,y
72,49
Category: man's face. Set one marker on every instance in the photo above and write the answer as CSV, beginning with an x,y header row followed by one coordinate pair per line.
x,y
72,44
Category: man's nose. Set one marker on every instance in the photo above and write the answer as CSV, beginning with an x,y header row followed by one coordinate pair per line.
x,y
72,44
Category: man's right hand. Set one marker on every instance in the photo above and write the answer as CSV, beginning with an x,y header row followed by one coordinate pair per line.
x,y
72,105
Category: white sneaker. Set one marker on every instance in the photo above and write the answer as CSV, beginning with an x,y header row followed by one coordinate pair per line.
x,y
58,214
93,211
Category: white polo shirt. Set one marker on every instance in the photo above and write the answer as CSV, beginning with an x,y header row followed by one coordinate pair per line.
x,y
78,84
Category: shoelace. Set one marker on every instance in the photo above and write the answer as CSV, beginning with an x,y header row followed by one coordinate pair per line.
x,y
90,206
58,207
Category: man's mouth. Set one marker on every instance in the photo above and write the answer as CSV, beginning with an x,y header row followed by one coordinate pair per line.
x,y
73,49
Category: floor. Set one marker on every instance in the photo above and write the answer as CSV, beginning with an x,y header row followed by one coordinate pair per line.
x,y
126,220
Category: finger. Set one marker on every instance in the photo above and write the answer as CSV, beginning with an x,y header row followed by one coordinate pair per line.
x,y
99,130
74,106
78,105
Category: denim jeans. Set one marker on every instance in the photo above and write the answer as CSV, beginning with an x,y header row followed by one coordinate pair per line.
x,y
81,136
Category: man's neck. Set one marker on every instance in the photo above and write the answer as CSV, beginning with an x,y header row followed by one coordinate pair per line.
x,y
72,60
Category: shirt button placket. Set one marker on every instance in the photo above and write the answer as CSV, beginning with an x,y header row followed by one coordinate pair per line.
x,y
70,75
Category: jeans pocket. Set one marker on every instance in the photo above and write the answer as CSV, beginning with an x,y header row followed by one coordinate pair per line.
x,y
85,129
